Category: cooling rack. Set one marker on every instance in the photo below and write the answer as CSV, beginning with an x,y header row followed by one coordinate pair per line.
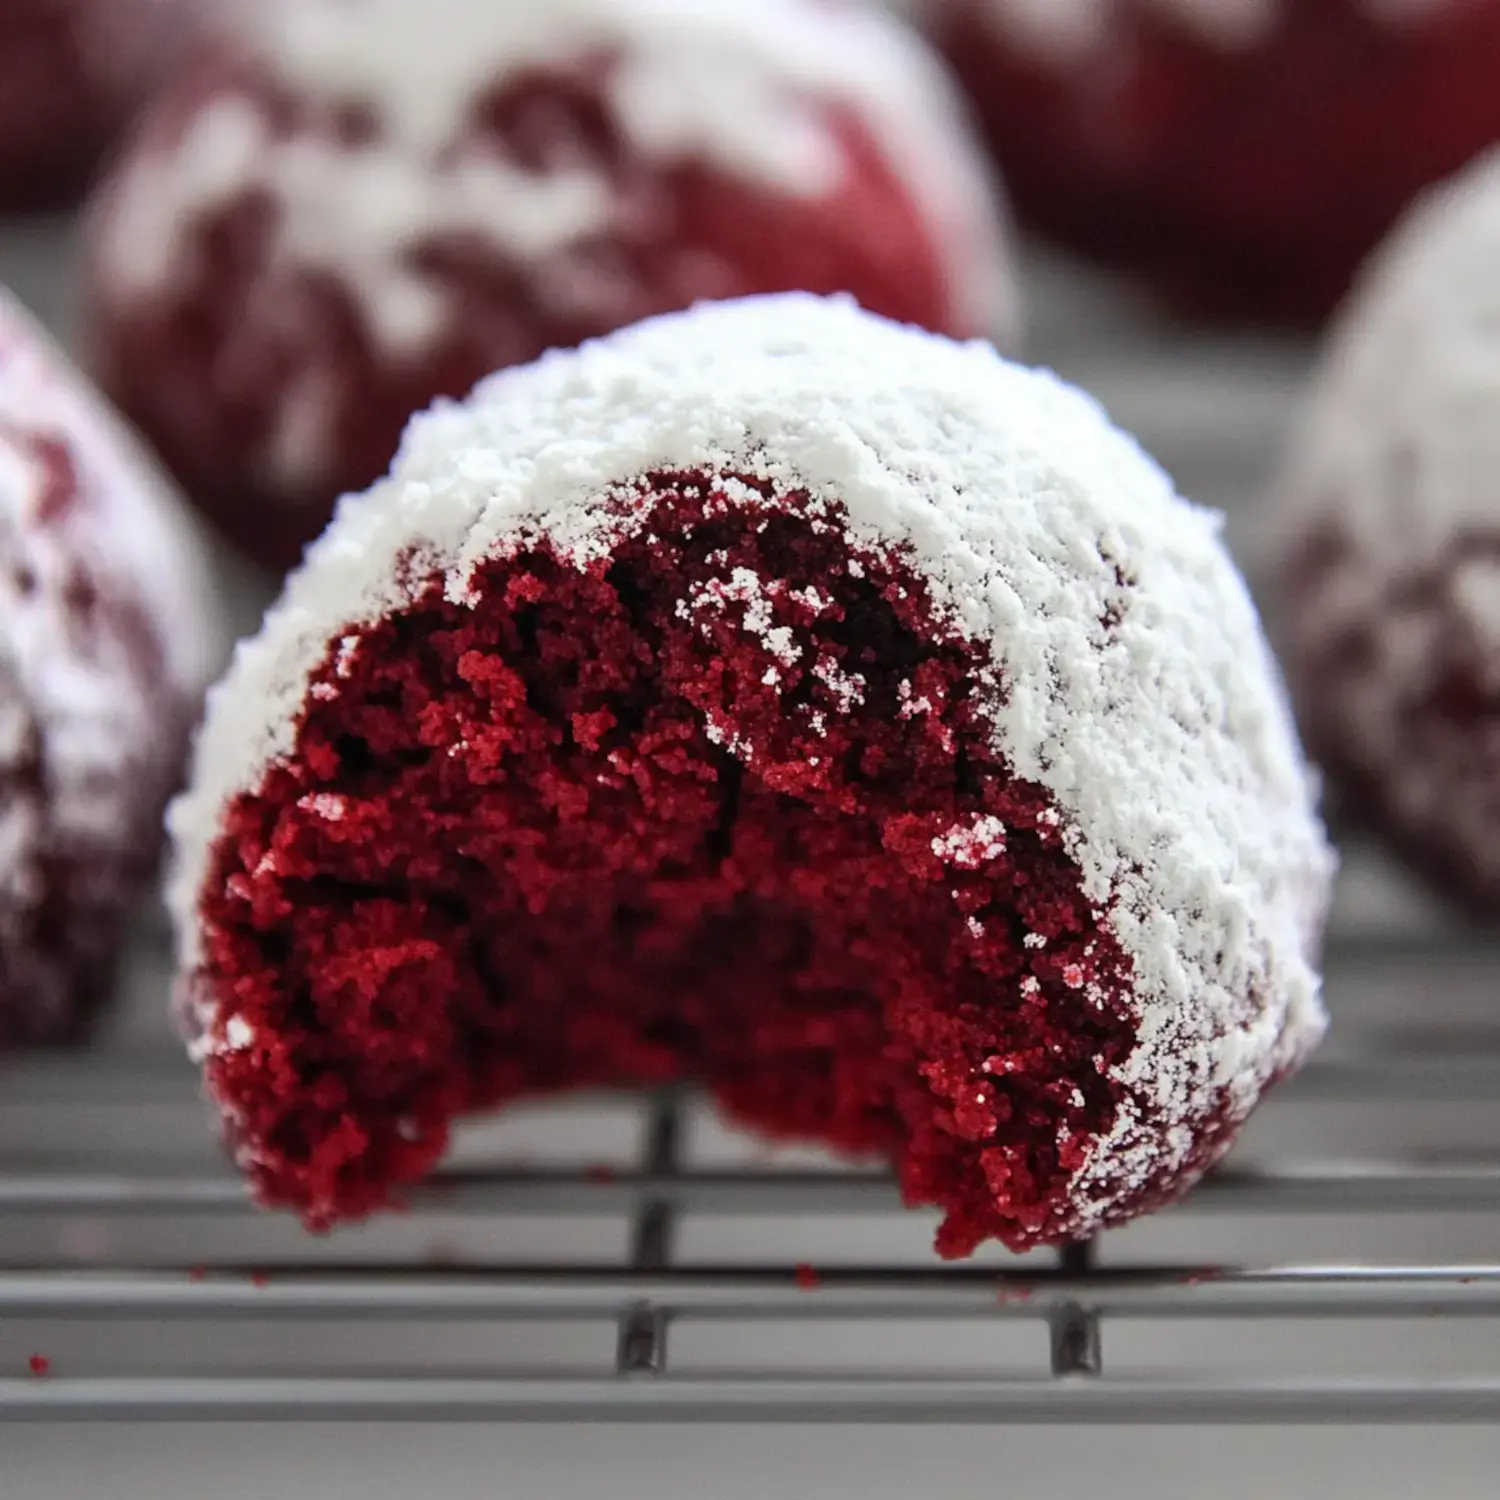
x,y
137,1281
632,1259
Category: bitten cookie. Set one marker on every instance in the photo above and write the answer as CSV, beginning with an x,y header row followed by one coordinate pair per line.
x,y
779,698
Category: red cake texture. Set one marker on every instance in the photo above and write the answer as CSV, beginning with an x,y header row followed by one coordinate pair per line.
x,y
1244,154
656,720
598,889
368,205
72,73
1386,577
95,692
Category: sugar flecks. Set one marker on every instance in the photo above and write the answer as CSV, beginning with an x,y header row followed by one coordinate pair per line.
x,y
757,616
971,847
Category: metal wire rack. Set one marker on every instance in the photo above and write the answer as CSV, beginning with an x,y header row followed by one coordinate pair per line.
x,y
629,1260
116,1248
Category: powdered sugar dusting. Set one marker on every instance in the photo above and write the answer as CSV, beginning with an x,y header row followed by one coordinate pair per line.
x,y
153,542
350,213
745,85
1396,458
758,615
970,847
1158,730
1399,438
81,521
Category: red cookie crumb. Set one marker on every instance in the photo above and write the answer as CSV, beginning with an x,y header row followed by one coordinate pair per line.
x,y
807,1277
39,1365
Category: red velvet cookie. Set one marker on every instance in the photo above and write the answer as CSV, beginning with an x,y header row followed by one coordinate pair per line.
x,y
1387,580
72,72
371,204
1246,154
104,648
778,698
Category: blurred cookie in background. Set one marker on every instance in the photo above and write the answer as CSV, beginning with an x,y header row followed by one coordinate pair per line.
x,y
366,205
1243,154
1385,593
107,639
72,73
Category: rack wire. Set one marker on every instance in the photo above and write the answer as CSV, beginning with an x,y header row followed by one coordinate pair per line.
x,y
628,1260
163,1242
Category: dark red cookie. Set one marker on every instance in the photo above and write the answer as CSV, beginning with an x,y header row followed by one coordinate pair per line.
x,y
369,205
104,646
1386,583
777,698
72,72
1244,154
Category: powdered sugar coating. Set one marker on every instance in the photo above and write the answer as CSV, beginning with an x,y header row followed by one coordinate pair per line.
x,y
105,645
742,85
1398,438
152,541
1395,465
1131,678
